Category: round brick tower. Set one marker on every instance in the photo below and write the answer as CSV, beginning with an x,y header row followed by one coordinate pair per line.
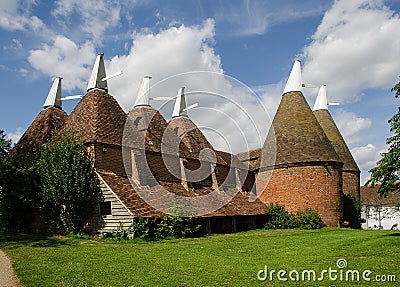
x,y
307,172
351,172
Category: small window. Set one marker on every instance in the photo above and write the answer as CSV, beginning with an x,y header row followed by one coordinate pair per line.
x,y
105,208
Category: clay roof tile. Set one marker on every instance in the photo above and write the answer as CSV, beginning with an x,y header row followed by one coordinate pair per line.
x,y
98,118
41,129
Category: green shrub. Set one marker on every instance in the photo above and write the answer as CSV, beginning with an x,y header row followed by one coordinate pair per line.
x,y
277,217
168,226
120,233
144,228
178,227
308,219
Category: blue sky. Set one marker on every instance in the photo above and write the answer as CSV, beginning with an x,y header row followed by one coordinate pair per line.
x,y
352,46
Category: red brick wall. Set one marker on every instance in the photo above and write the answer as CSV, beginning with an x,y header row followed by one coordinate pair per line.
x,y
351,183
301,187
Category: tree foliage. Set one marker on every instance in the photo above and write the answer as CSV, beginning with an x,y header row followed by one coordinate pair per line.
x,y
55,184
5,145
18,187
387,171
69,185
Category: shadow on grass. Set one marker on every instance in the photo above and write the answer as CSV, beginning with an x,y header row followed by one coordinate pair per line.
x,y
393,234
16,240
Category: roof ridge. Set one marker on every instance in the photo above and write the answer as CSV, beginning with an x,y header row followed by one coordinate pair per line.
x,y
335,137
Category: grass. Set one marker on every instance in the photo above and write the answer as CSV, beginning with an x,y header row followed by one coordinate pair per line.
x,y
216,260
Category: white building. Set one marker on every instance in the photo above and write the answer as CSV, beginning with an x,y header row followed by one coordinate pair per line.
x,y
379,212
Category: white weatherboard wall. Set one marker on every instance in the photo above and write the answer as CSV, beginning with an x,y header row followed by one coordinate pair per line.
x,y
119,213
389,215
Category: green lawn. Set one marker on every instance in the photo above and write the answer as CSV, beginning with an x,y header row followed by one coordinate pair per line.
x,y
217,260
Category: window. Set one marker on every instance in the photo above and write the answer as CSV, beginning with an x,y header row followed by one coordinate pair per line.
x,y
105,208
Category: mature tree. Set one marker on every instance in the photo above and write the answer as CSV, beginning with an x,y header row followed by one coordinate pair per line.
x,y
18,186
69,186
56,183
387,171
5,145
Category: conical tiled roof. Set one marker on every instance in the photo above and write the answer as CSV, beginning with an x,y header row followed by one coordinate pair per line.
x,y
41,129
98,118
332,132
295,135
192,140
147,129
155,145
298,136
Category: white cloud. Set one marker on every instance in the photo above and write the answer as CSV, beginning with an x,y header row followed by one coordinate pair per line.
x,y
247,18
350,125
228,113
17,44
240,118
16,15
96,15
367,157
16,135
9,18
66,59
23,72
355,47
172,51
270,95
14,45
